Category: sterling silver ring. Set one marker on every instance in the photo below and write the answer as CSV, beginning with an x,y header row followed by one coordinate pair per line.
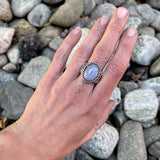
x,y
91,72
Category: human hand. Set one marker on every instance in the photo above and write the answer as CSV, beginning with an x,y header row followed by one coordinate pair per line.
x,y
64,111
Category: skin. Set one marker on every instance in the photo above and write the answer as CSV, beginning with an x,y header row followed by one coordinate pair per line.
x,y
65,112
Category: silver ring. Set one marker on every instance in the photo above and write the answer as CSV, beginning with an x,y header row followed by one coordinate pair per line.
x,y
91,72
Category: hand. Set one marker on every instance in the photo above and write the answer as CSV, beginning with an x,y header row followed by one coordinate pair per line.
x,y
64,111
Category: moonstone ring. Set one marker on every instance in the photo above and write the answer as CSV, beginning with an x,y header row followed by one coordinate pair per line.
x,y
91,72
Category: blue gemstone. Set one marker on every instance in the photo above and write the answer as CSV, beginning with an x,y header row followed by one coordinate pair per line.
x,y
91,72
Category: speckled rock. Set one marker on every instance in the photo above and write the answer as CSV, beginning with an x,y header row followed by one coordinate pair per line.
x,y
5,11
149,123
103,142
153,3
131,144
155,68
55,43
81,154
89,5
146,30
3,60
10,67
154,149
156,23
117,2
52,1
146,50
134,22
34,71
68,14
20,8
71,156
147,102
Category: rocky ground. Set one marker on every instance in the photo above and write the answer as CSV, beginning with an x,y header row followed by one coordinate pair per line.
x,y
30,33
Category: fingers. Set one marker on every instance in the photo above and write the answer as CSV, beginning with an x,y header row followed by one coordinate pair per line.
x,y
117,65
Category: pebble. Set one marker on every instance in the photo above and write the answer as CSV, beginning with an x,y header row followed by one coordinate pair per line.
x,y
52,1
155,68
49,53
21,8
90,23
68,14
153,3
6,35
149,123
154,149
146,50
146,30
82,155
117,3
10,67
3,60
159,102
71,156
131,144
158,36
3,24
34,71
13,54
81,23
13,99
151,135
5,11
98,2
55,43
105,9
147,102
103,142
143,71
129,3
39,15
89,5
133,11
156,23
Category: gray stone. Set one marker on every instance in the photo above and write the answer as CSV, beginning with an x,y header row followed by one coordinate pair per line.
x,y
117,3
151,135
131,144
143,71
152,83
49,53
105,9
81,154
126,86
155,68
90,23
153,3
147,102
3,24
24,65
154,149
52,1
103,142
6,35
89,5
158,36
20,8
34,71
5,11
98,2
146,30
156,23
56,42
129,3
68,14
39,15
133,11
46,34
3,60
71,156
146,50
149,123
159,102
10,67
13,99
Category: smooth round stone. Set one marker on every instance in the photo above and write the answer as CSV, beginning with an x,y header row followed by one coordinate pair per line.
x,y
91,72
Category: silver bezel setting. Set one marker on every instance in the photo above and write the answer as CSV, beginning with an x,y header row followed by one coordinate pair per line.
x,y
99,75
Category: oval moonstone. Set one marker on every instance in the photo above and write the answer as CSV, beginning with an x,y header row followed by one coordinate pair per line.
x,y
91,72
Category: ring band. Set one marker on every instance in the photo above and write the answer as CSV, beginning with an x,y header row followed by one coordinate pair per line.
x,y
91,72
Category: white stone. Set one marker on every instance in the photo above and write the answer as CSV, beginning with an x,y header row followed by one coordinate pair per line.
x,y
3,60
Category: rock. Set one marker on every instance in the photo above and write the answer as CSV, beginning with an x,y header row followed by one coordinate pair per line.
x,y
158,36
143,71
153,3
151,158
55,43
129,3
68,14
13,99
22,28
28,46
151,135
117,3
131,144
5,11
6,35
34,71
146,50
155,68
46,34
71,156
133,11
152,83
146,30
126,86
24,65
147,103
39,15
81,154
156,23
90,23
98,2
13,54
10,67
49,53
89,5
3,60
149,123
20,8
146,13
105,9
2,24
103,142
159,102
154,149
52,1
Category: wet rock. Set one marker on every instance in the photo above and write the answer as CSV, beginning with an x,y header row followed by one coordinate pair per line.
x,y
49,53
68,14
154,149
55,43
117,3
71,156
89,5
134,22
131,144
149,123
155,68
20,8
3,60
146,50
81,154
5,11
103,142
153,3
156,23
147,103
39,15
34,71
146,30
10,67
13,99
6,35
52,1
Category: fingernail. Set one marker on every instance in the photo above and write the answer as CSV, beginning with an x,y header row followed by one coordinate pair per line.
x,y
76,31
131,32
104,21
122,12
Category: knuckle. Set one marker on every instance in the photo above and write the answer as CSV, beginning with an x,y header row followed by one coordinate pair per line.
x,y
116,28
124,47
82,52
